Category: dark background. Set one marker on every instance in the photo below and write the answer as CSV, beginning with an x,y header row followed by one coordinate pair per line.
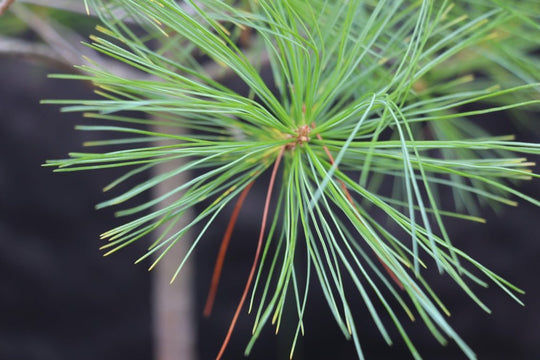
x,y
60,299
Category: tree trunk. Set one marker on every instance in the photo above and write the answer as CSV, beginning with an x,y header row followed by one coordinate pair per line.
x,y
173,304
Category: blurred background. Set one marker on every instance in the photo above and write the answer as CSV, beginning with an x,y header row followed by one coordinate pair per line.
x,y
61,299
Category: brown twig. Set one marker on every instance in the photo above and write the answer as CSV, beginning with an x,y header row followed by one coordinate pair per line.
x,y
223,251
257,253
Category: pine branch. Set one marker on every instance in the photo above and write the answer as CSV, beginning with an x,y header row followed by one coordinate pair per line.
x,y
388,92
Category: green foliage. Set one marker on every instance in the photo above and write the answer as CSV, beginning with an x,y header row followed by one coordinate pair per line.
x,y
11,25
368,93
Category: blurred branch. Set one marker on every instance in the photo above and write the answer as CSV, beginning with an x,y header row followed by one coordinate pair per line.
x,y
71,6
12,47
68,45
174,306
69,48
4,5
63,40
79,8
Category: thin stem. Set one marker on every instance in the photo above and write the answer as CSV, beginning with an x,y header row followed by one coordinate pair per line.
x,y
257,253
223,251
